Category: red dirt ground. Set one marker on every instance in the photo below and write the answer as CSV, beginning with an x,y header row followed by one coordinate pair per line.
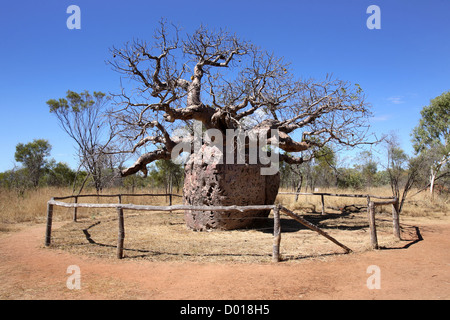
x,y
28,270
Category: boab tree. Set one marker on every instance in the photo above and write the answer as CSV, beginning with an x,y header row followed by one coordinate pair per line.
x,y
224,83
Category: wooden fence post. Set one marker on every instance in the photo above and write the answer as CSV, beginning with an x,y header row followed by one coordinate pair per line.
x,y
119,200
75,210
395,219
323,204
121,235
276,234
373,228
48,231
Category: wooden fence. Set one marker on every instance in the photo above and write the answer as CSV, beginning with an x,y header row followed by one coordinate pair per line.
x,y
120,209
370,210
276,209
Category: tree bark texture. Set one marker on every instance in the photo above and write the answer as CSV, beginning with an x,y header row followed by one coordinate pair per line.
x,y
223,185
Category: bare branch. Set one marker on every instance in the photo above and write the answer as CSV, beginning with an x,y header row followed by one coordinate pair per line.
x,y
142,161
226,83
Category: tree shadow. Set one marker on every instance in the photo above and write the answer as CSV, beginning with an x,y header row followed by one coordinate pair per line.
x,y
150,253
290,225
88,235
287,257
145,253
419,238
410,234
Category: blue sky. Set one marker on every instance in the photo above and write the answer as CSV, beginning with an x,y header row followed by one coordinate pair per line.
x,y
400,67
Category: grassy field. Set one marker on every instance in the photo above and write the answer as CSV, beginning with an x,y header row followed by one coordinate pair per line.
x,y
159,236
32,205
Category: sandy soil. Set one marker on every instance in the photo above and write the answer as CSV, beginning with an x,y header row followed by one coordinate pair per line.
x,y
418,269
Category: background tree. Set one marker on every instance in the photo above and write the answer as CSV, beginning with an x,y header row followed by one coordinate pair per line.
x,y
368,167
16,179
167,174
81,115
59,174
291,176
403,171
431,137
324,174
33,157
134,181
222,81
350,178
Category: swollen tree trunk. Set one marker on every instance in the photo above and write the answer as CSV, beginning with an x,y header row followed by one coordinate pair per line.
x,y
226,185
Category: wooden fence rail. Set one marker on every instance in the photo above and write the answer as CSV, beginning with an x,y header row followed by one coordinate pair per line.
x,y
160,208
119,198
326,194
118,195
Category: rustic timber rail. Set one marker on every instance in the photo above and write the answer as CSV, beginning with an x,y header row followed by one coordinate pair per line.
x,y
276,209
326,194
118,196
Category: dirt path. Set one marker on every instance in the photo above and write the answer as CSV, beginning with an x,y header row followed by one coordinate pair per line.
x,y
420,271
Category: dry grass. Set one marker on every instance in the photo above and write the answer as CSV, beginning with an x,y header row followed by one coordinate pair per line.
x,y
419,205
32,205
159,236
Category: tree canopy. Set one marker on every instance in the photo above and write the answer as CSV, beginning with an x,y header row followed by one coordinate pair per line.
x,y
434,125
225,82
431,137
33,156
